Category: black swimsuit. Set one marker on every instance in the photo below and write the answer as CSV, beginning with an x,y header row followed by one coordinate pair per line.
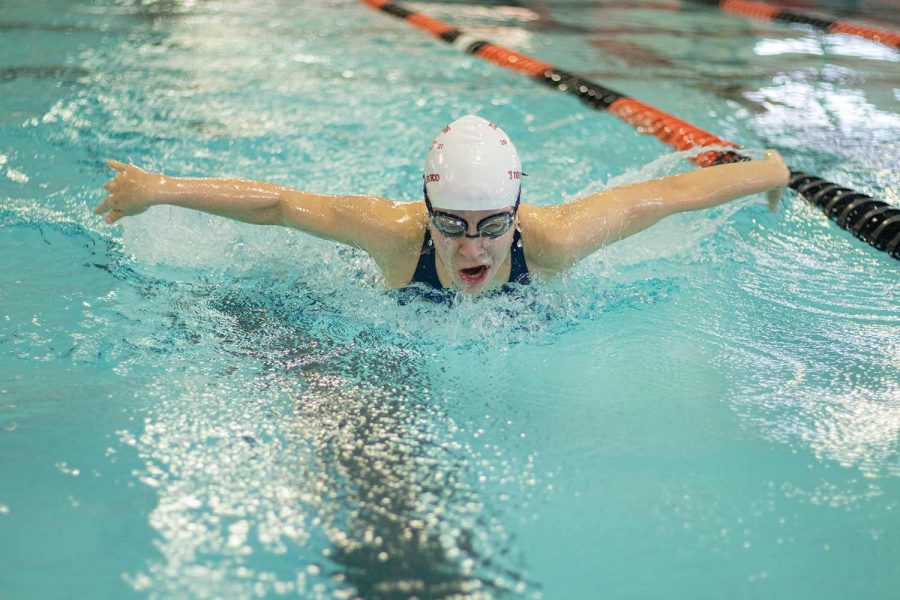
x,y
426,272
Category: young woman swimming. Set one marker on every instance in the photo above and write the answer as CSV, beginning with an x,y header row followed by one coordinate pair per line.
x,y
471,233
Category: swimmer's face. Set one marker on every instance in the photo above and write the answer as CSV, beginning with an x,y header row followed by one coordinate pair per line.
x,y
473,264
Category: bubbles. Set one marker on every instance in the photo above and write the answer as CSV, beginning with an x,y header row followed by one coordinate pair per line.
x,y
311,437
699,395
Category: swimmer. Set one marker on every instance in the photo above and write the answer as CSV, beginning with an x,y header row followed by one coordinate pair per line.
x,y
471,233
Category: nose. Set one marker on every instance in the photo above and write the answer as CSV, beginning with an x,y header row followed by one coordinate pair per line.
x,y
471,248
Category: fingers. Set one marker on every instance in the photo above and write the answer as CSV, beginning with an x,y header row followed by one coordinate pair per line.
x,y
104,206
113,216
123,168
774,198
115,183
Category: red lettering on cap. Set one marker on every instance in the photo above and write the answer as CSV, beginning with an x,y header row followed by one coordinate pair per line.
x,y
492,126
515,174
446,129
433,177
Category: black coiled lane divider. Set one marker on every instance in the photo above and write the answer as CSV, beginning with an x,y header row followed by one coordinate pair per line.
x,y
871,220
767,12
868,219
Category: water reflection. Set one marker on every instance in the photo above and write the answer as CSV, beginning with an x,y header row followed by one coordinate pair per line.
x,y
376,485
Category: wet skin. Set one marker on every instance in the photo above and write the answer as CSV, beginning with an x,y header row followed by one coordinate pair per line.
x,y
555,237
458,258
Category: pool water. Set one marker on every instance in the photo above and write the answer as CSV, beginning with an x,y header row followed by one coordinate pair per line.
x,y
192,407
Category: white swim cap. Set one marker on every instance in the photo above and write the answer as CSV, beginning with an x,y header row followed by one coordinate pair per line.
x,y
472,165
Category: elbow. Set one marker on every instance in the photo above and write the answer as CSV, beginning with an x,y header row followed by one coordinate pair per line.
x,y
277,212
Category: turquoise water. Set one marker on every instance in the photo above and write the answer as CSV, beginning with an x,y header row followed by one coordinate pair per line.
x,y
191,407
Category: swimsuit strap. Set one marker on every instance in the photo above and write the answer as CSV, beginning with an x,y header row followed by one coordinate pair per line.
x,y
518,269
426,271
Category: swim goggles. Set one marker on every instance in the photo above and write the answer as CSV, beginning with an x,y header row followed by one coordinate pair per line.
x,y
492,226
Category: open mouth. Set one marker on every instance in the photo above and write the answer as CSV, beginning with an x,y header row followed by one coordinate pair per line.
x,y
474,274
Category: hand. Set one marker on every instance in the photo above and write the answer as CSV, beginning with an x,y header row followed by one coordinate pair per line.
x,y
774,195
131,192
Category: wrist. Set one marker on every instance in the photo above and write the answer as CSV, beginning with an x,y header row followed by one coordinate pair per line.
x,y
780,171
162,189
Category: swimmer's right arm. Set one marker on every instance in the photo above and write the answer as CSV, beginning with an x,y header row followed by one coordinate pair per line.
x,y
133,190
355,220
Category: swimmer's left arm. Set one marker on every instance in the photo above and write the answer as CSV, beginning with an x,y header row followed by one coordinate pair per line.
x,y
570,232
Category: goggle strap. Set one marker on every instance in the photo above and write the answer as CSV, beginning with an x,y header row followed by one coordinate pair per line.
x,y
427,199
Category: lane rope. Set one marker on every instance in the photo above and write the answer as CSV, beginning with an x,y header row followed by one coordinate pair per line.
x,y
871,220
768,12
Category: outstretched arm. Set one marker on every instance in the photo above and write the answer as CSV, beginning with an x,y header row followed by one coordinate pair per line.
x,y
363,221
570,232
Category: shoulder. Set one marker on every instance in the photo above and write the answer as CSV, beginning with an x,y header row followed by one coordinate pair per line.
x,y
543,239
374,208
394,239
376,221
394,224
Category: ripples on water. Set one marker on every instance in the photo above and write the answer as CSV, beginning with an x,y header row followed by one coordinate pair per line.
x,y
330,402
317,429
292,415
295,418
815,344
307,434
